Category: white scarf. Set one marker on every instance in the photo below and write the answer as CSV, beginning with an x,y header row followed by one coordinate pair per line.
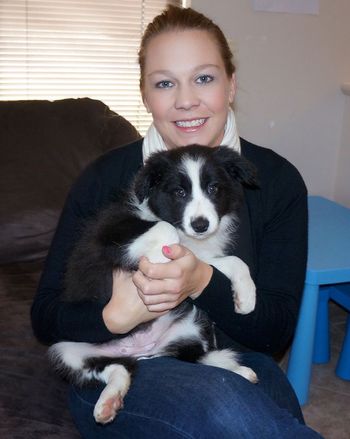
x,y
153,141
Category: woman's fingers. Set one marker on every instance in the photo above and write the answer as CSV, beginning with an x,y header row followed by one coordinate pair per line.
x,y
165,285
153,286
165,270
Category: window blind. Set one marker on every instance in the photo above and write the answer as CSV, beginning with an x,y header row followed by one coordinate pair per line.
x,y
56,49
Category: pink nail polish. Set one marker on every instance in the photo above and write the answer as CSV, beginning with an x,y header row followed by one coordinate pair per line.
x,y
166,249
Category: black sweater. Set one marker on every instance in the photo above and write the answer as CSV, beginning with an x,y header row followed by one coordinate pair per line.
x,y
272,240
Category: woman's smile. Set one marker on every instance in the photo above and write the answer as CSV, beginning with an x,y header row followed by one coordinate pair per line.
x,y
190,125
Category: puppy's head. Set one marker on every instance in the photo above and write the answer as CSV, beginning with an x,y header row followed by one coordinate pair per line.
x,y
194,187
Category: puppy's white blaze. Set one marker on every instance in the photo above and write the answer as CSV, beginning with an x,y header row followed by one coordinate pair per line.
x,y
72,354
200,205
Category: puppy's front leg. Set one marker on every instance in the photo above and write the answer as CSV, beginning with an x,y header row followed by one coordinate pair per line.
x,y
243,287
150,244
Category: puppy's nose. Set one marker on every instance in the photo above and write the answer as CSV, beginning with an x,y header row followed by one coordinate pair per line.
x,y
200,224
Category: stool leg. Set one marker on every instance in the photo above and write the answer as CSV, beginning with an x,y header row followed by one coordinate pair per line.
x,y
322,343
300,359
343,366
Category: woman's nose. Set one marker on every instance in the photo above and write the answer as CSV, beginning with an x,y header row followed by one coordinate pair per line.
x,y
186,98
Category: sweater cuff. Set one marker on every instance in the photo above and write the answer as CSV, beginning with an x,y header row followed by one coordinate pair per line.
x,y
84,322
212,298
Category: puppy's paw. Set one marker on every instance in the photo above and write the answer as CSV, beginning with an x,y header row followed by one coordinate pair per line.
x,y
161,234
244,295
247,373
150,243
106,409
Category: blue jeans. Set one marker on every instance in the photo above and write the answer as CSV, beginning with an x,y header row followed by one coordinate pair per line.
x,y
173,399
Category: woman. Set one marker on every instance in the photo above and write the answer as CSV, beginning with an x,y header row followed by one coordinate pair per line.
x,y
188,84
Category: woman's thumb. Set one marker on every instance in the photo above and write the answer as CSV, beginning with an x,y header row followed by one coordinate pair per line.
x,y
173,251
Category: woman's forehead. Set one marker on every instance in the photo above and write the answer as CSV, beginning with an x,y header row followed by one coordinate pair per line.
x,y
172,50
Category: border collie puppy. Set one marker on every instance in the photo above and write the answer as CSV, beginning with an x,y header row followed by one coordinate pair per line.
x,y
187,195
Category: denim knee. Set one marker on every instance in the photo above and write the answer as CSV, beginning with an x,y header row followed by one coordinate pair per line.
x,y
274,382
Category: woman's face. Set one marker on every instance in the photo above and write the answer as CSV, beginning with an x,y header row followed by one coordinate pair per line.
x,y
186,88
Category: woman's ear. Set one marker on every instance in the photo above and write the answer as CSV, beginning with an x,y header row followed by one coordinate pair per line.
x,y
232,91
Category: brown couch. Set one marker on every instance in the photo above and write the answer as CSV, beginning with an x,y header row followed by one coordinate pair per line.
x,y
44,146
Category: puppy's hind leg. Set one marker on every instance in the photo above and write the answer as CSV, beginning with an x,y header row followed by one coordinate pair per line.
x,y
227,359
118,380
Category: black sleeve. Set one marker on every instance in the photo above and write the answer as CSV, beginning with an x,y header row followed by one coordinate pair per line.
x,y
53,319
281,264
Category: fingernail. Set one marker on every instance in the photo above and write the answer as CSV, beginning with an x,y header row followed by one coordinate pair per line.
x,y
166,249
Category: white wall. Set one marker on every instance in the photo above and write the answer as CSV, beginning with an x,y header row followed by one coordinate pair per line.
x,y
289,71
342,184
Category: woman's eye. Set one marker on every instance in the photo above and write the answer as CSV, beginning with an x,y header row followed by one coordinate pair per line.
x,y
212,189
164,84
204,79
180,192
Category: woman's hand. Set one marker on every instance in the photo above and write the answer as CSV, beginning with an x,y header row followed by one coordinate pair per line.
x,y
164,286
125,310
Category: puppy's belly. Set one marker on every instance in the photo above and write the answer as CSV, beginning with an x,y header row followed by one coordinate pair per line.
x,y
154,338
141,343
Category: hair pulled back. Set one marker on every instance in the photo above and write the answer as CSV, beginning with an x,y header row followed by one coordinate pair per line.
x,y
174,18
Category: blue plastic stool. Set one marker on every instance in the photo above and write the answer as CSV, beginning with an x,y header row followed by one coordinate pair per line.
x,y
341,295
343,366
328,266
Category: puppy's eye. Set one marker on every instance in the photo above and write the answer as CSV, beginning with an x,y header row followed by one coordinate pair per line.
x,y
180,192
212,189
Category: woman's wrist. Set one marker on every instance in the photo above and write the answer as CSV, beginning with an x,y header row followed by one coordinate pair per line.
x,y
204,274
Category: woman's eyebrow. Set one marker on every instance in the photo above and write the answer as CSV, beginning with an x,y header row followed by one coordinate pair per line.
x,y
161,72
195,69
205,66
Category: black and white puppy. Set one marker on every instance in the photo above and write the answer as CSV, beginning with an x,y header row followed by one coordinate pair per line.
x,y
187,195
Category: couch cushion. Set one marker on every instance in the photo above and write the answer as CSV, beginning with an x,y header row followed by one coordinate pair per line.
x,y
33,397
44,147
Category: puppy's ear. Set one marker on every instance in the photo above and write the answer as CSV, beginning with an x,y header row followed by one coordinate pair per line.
x,y
144,182
149,176
238,167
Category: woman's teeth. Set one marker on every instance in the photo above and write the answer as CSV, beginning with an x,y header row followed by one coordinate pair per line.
x,y
190,123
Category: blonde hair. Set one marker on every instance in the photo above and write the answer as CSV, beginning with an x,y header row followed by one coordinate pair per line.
x,y
179,19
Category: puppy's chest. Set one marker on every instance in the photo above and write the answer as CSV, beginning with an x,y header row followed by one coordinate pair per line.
x,y
211,247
